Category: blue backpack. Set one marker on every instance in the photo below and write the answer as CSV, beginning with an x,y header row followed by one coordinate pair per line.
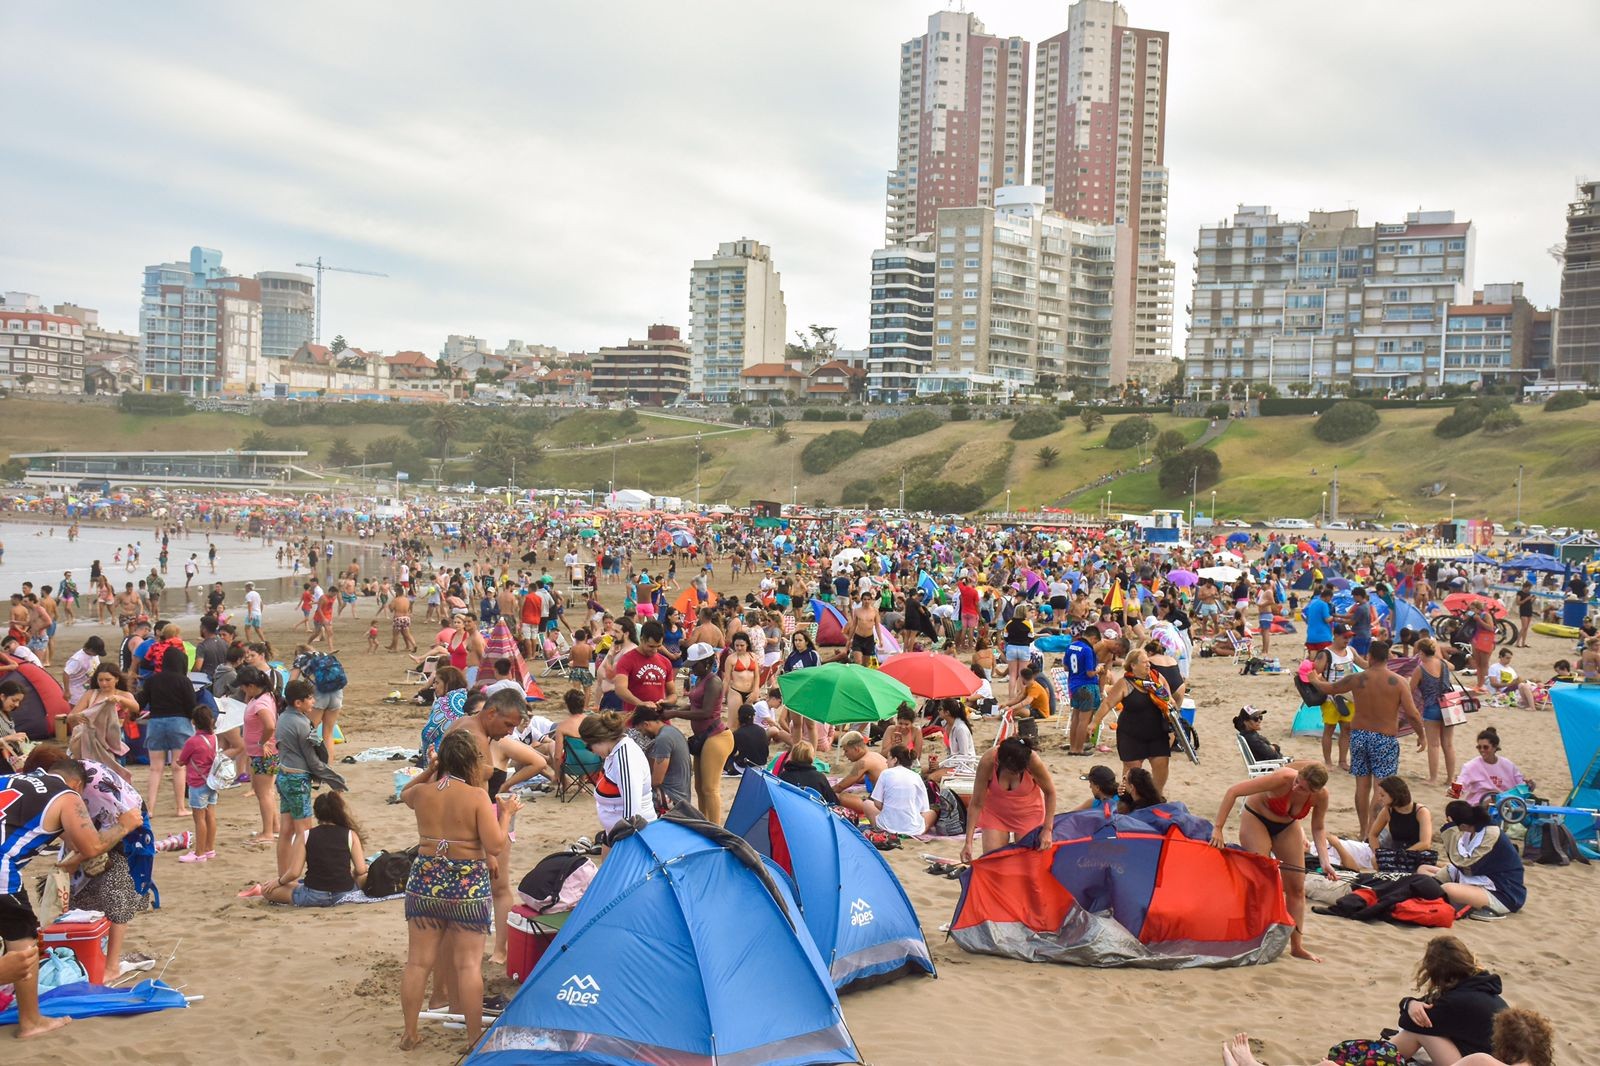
x,y
326,673
139,848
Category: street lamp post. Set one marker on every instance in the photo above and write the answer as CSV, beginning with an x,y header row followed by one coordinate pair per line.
x,y
1108,503
1213,506
1008,501
1322,514
1452,507
1519,494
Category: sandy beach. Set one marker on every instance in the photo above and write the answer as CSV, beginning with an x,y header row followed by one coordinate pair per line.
x,y
323,986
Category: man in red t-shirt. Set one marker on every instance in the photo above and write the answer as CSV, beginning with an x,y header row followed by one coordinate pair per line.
x,y
645,677
531,617
968,594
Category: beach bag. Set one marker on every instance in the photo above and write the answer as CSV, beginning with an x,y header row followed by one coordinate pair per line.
x,y
1366,1053
1453,701
387,874
139,848
557,882
326,673
1402,860
951,822
1551,844
59,966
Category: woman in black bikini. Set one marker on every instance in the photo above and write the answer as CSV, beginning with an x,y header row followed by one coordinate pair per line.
x,y
1276,803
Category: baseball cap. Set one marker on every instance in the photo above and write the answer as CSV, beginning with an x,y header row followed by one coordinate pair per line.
x,y
1341,630
700,650
1103,778
1251,712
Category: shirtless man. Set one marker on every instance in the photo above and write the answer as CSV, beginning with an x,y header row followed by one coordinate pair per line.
x,y
492,727
864,628
19,618
53,609
400,622
866,765
347,593
1380,696
475,648
128,606
507,600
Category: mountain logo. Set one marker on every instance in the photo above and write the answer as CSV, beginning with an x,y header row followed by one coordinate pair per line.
x,y
579,991
860,912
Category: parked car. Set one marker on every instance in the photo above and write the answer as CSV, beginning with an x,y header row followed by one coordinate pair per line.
x,y
1236,523
1401,527
1290,523
1337,524
1538,531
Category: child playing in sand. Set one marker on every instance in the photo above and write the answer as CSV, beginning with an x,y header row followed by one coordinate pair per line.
x,y
198,754
372,638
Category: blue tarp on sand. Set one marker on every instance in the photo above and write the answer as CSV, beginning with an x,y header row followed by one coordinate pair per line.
x,y
84,1000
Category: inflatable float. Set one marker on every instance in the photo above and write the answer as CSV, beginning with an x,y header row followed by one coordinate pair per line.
x,y
1551,629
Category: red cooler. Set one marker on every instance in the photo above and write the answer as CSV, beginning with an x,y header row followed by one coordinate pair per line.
x,y
87,940
528,934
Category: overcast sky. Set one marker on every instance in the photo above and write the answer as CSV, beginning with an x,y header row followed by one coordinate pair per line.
x,y
549,171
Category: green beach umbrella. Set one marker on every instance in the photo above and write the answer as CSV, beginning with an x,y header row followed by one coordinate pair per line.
x,y
838,693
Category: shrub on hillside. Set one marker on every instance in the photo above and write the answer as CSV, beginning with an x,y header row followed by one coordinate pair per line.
x,y
1197,468
811,414
1561,401
1131,432
1503,420
1035,423
1345,420
153,403
858,491
1170,443
888,430
822,454
1466,418
960,412
945,496
1217,410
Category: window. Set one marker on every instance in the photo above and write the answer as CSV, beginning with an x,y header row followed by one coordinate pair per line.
x,y
969,294
971,264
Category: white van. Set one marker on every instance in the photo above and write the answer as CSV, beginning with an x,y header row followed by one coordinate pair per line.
x,y
1290,523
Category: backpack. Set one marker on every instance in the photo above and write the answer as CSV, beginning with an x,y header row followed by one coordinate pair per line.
x,y
224,774
139,848
326,673
1551,844
387,874
557,882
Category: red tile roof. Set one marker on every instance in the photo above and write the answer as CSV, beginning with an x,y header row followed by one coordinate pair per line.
x,y
838,366
769,370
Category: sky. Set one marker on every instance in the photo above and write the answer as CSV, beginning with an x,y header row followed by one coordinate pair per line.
x,y
549,171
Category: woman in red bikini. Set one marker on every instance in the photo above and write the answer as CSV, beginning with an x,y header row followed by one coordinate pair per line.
x,y
1274,805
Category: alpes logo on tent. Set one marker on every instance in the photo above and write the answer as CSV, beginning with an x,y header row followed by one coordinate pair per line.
x,y
860,912
579,991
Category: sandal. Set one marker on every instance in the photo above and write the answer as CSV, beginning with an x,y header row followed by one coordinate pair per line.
x,y
253,892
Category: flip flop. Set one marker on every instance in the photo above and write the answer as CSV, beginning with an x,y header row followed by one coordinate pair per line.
x,y
253,892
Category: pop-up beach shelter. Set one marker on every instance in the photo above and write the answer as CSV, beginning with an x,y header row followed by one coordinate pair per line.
x,y
864,926
666,959
1145,889
1577,710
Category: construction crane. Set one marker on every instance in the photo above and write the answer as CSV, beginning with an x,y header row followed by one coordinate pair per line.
x,y
319,267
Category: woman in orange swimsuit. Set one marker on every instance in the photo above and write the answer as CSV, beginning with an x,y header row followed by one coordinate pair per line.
x,y
1016,797
1276,803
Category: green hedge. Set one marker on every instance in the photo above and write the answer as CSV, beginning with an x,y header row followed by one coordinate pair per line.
x,y
1130,433
1036,423
941,497
1346,420
822,454
1565,401
1197,467
889,430
153,403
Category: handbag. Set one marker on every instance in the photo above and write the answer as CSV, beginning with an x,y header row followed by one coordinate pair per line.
x,y
1453,701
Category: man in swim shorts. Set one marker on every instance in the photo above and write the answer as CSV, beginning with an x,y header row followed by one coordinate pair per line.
x,y
1380,698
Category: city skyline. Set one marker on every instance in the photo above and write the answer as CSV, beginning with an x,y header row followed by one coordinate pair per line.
x,y
484,169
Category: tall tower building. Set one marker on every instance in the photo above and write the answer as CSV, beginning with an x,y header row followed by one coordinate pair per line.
x,y
1577,356
288,313
1099,149
963,122
737,317
201,327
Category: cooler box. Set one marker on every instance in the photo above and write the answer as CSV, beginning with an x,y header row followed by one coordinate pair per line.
x,y
1186,712
87,940
1573,613
528,934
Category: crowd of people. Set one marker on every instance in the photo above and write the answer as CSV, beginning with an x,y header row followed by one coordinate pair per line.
x,y
671,686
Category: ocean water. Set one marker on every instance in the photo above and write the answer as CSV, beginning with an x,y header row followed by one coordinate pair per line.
x,y
39,553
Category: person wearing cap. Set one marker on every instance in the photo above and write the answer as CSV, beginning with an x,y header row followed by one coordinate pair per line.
x,y
711,741
1102,790
1248,724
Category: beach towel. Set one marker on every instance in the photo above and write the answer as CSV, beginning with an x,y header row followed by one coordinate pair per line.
x,y
84,1000
356,895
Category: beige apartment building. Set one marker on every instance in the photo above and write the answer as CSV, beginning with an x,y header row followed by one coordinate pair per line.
x,y
737,317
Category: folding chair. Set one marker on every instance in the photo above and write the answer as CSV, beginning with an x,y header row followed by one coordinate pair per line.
x,y
422,673
1243,650
1254,767
578,767
555,666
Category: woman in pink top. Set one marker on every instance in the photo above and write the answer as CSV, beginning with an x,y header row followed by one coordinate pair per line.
x,y
1490,773
261,745
1013,795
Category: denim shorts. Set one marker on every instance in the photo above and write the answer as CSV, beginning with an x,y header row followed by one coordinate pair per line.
x,y
201,797
311,897
167,734
1019,653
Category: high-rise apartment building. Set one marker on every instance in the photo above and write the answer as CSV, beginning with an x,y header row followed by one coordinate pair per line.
x,y
962,122
1494,339
653,371
39,351
737,317
1022,297
1099,149
288,313
1577,355
1311,305
201,328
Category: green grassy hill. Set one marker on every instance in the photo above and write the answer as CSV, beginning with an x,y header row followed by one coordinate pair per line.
x,y
1266,462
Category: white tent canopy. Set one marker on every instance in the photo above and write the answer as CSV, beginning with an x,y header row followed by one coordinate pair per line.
x,y
629,500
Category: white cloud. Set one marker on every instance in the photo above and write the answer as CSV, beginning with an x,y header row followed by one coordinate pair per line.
x,y
549,171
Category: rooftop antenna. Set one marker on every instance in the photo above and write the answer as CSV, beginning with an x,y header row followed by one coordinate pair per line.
x,y
319,266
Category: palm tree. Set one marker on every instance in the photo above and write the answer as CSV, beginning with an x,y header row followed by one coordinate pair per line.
x,y
1090,419
443,424
259,441
1046,457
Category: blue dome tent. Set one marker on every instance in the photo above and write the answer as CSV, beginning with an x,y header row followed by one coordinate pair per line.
x,y
864,927
657,963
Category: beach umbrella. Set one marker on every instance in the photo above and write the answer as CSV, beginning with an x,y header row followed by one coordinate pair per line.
x,y
848,556
1239,537
1220,573
839,693
683,539
932,676
1457,602
1183,578
1230,557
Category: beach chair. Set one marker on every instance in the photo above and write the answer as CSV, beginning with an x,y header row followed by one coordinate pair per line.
x,y
1243,650
578,767
1254,767
557,666
422,673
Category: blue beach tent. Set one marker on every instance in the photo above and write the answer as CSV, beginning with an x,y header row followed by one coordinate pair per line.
x,y
659,962
864,926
